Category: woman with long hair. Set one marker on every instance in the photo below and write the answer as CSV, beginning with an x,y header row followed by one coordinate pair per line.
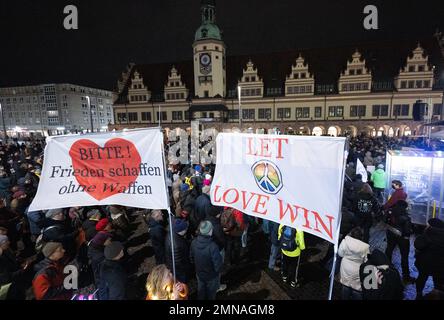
x,y
160,285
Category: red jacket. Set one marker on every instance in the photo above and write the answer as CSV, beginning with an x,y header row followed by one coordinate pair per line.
x,y
399,194
48,281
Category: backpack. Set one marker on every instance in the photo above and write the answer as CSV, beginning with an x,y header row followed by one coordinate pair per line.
x,y
228,222
288,239
40,243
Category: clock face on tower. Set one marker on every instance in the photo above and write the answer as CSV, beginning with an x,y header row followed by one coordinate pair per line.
x,y
205,63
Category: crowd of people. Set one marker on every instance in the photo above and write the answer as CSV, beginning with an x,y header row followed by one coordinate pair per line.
x,y
37,247
364,206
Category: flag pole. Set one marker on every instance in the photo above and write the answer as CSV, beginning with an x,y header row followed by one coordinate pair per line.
x,y
335,250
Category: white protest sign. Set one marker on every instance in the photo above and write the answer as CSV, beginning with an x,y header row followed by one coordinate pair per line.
x,y
360,169
293,180
123,168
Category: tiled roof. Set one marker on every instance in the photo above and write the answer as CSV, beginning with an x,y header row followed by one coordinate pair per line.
x,y
383,59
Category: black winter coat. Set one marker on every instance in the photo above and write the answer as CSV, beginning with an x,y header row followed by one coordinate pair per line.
x,y
399,219
430,251
96,253
218,232
391,287
206,257
157,234
181,254
364,204
113,280
202,207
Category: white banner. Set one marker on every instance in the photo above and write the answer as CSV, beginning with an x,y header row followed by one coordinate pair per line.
x,y
360,169
293,180
122,168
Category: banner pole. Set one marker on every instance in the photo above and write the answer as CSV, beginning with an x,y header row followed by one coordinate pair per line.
x,y
333,270
172,243
335,250
169,206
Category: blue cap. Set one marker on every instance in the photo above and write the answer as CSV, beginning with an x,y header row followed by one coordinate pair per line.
x,y
180,225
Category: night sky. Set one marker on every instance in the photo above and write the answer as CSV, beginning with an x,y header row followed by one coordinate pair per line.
x,y
35,48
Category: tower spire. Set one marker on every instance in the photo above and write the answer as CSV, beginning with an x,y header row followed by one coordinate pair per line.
x,y
208,10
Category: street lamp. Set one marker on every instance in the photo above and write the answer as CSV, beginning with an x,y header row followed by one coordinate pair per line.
x,y
90,113
240,108
3,121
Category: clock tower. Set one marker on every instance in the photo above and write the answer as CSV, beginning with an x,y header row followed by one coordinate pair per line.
x,y
209,55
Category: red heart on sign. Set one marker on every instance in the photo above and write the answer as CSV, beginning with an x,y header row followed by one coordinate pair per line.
x,y
110,168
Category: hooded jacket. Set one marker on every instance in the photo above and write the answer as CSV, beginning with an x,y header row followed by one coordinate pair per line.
x,y
202,209
390,288
378,179
206,257
353,252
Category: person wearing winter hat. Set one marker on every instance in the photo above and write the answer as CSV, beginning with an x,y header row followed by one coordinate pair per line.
x,y
58,229
49,279
119,221
378,178
430,256
180,226
206,256
181,251
55,214
89,225
197,169
113,277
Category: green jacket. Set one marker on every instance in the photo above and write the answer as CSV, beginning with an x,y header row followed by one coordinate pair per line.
x,y
378,178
